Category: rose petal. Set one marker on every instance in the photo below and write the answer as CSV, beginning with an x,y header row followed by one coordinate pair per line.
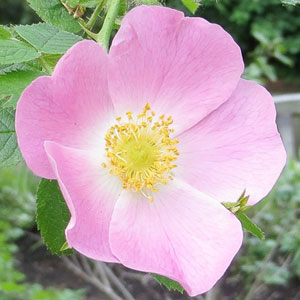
x,y
235,148
182,234
90,193
70,107
183,67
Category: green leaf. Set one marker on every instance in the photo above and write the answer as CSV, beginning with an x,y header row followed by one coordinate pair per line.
x,y
52,216
13,83
12,52
83,3
191,5
52,59
4,33
249,226
168,283
47,38
53,12
11,67
9,151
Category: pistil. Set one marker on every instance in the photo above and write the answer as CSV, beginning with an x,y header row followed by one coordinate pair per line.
x,y
141,152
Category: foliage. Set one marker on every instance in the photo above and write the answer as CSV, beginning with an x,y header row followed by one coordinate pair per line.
x,y
12,51
53,12
4,33
47,39
9,151
17,201
52,216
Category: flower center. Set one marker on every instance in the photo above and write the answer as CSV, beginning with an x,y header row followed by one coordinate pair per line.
x,y
141,152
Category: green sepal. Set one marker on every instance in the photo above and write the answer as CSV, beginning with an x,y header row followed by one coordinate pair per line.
x,y
239,208
64,247
191,5
170,284
240,205
250,226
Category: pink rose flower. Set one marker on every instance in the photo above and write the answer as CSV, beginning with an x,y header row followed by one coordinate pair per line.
x,y
147,141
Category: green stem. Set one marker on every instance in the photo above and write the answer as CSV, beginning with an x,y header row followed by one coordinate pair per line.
x,y
95,14
45,65
103,37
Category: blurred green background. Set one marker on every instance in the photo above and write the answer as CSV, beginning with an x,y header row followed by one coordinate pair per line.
x,y
269,35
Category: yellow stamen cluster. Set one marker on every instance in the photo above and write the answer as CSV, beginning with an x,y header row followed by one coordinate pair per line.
x,y
141,152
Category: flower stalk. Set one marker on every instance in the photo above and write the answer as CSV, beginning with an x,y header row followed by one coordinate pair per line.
x,y
104,35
